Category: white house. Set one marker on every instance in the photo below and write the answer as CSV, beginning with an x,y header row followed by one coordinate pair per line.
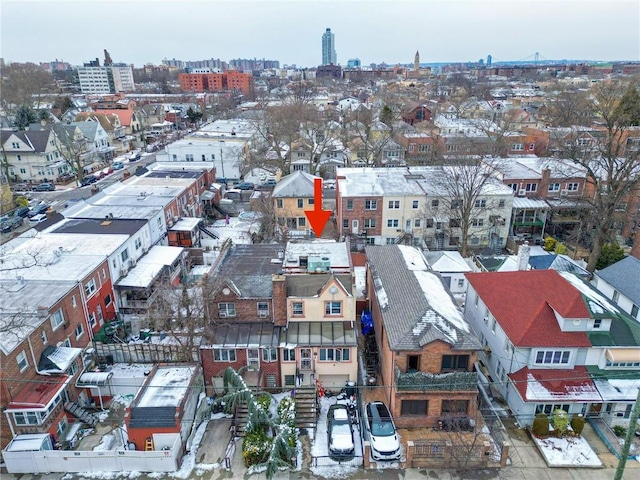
x,y
619,282
452,267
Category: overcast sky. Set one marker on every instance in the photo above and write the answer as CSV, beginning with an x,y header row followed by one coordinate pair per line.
x,y
375,31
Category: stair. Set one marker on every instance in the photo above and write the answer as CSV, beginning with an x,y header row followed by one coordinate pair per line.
x,y
306,407
220,209
208,232
240,419
82,413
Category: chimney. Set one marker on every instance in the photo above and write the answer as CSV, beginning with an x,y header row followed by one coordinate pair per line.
x,y
635,249
523,256
279,300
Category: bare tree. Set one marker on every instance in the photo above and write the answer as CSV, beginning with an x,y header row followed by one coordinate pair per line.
x,y
23,84
567,108
613,170
367,135
464,192
73,147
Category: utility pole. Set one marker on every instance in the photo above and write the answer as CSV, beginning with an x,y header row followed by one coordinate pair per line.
x,y
633,418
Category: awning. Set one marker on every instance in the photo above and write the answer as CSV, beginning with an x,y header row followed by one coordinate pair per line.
x,y
311,334
246,335
555,385
207,195
94,379
57,359
40,396
631,355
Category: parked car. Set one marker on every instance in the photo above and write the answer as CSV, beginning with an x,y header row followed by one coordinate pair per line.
x,y
38,209
8,223
135,156
22,212
267,185
385,443
66,177
118,165
107,171
44,187
329,184
41,217
21,187
340,431
245,186
88,180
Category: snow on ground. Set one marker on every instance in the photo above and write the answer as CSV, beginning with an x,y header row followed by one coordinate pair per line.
x,y
320,445
567,452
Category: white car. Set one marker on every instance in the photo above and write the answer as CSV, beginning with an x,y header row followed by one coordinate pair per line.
x,y
41,217
385,443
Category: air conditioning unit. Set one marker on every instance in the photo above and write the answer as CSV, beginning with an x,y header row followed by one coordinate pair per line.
x,y
263,314
522,192
564,193
223,315
132,263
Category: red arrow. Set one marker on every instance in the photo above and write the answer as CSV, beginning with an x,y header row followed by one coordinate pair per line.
x,y
317,217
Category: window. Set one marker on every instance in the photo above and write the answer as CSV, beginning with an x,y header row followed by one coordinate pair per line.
x,y
456,204
460,282
454,362
417,223
189,157
297,308
370,204
345,223
92,319
269,355
99,313
302,222
394,204
572,187
371,241
15,145
79,331
335,355
531,187
552,356
616,296
107,300
517,147
57,319
477,222
435,203
226,310
289,355
501,203
263,309
634,311
532,146
23,363
413,407
27,418
424,148
480,203
73,301
454,222
429,223
124,255
369,223
549,408
412,147
392,223
415,204
43,336
300,203
332,308
349,204
279,203
455,406
554,187
90,287
597,323
224,355
138,243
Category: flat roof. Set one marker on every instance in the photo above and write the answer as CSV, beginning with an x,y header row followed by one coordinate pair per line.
x,y
167,387
100,226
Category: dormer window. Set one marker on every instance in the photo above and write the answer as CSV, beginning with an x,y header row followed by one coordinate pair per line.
x,y
597,323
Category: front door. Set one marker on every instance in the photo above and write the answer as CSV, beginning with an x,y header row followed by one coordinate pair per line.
x,y
355,227
253,358
305,359
407,226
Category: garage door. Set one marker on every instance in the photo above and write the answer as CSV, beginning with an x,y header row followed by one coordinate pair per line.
x,y
334,382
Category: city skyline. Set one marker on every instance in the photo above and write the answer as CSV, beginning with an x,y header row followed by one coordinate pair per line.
x,y
375,31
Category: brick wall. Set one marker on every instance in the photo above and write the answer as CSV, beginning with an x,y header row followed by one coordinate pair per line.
x,y
279,300
246,308
359,213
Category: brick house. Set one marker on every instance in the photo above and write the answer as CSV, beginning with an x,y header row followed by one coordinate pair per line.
x,y
427,350
416,113
247,312
43,335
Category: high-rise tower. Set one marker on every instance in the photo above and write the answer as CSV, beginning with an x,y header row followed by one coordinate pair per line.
x,y
416,61
329,56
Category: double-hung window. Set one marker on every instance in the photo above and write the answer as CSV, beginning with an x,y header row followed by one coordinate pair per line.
x,y
332,308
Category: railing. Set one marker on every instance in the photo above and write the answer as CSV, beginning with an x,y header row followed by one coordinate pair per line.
x,y
422,381
328,461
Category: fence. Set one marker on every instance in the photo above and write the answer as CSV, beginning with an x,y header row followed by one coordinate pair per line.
x,y
49,461
327,461
144,353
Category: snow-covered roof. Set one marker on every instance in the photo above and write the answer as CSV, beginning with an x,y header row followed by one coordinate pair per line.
x,y
27,442
596,301
337,252
150,266
447,261
615,390
167,387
